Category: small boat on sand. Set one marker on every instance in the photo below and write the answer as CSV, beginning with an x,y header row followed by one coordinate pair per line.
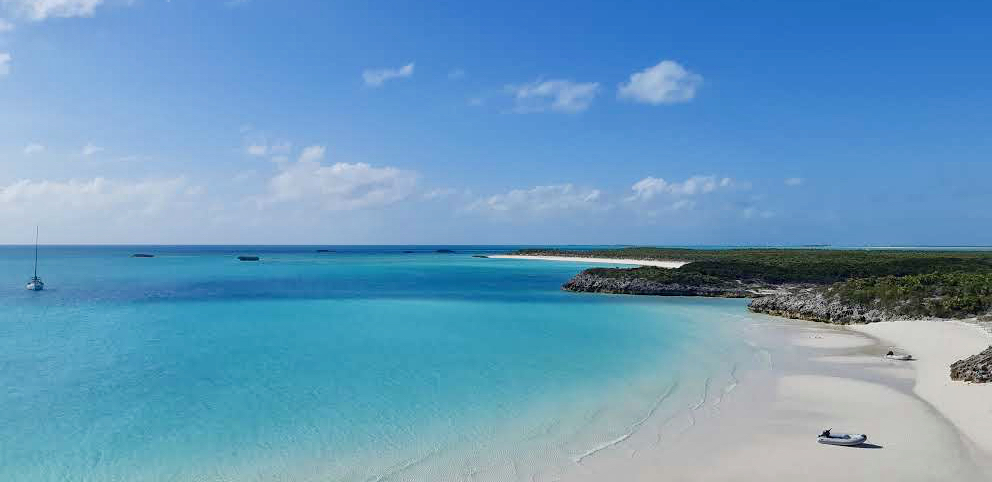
x,y
891,355
845,439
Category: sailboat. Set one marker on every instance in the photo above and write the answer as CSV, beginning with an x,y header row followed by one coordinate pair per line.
x,y
36,284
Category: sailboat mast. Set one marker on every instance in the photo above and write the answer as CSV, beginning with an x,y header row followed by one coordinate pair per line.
x,y
36,251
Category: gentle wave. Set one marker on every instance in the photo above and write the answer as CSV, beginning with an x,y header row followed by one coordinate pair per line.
x,y
633,427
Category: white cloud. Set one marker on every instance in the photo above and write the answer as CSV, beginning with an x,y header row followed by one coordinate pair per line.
x,y
5,26
650,187
33,148
96,197
244,176
89,149
42,9
258,144
665,83
377,77
794,181
257,150
439,193
4,63
556,95
539,201
338,187
753,212
313,154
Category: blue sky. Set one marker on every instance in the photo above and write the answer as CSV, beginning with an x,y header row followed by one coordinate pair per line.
x,y
264,121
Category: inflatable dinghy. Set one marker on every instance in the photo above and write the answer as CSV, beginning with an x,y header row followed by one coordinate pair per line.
x,y
900,357
846,439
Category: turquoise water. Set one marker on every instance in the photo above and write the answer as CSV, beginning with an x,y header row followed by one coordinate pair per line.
x,y
364,364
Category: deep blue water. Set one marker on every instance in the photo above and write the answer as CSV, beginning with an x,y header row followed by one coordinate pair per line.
x,y
368,363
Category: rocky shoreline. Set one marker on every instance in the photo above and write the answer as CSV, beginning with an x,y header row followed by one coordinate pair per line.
x,y
811,305
810,302
589,283
976,369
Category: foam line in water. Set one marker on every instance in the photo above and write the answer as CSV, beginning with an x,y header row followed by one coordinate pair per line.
x,y
403,466
601,447
656,406
702,400
633,427
733,380
729,387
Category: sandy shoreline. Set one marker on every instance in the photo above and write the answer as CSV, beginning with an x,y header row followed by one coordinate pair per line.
x,y
937,344
629,262
921,426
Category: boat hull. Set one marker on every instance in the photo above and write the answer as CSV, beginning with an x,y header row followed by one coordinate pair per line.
x,y
843,439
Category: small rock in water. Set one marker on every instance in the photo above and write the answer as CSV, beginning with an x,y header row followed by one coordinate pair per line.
x,y
247,258
141,255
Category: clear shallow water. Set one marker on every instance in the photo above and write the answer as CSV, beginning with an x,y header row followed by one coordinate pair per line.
x,y
364,364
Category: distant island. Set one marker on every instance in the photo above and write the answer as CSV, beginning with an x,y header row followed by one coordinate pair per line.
x,y
825,285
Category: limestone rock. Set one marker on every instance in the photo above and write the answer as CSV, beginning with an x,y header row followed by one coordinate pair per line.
x,y
977,368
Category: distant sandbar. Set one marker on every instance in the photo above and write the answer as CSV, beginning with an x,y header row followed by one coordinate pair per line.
x,y
580,259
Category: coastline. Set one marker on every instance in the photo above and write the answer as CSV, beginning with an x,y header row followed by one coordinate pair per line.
x,y
921,424
823,376
672,264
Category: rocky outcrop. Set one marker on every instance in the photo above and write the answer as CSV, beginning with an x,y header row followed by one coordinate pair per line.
x,y
977,369
809,304
590,283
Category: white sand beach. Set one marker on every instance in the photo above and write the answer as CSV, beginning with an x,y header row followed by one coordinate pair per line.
x,y
935,345
921,426
614,261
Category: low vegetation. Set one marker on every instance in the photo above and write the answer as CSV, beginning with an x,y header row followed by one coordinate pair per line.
x,y
940,295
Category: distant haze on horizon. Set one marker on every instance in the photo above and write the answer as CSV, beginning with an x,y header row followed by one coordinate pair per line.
x,y
676,123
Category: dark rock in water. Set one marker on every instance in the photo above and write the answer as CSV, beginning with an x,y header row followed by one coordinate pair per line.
x,y
480,256
247,258
409,252
977,368
140,255
445,251
810,305
326,251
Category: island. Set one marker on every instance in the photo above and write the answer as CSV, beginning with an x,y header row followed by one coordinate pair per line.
x,y
838,286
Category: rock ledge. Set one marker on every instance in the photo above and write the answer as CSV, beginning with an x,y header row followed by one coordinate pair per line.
x,y
977,368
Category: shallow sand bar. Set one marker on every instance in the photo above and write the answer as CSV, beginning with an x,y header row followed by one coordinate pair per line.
x,y
580,259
